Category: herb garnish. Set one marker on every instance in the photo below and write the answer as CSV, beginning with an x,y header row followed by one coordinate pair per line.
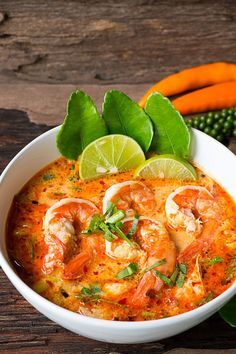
x,y
118,216
231,269
73,178
89,292
127,272
110,226
180,280
177,278
154,265
48,176
111,208
164,278
32,243
77,189
208,298
133,226
215,260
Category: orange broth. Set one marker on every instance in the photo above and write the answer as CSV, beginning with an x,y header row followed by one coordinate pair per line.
x,y
26,247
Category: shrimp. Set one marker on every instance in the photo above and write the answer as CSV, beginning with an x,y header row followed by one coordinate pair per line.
x,y
62,224
131,196
188,207
152,244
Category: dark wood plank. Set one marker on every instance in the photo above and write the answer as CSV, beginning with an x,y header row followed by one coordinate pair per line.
x,y
23,329
122,41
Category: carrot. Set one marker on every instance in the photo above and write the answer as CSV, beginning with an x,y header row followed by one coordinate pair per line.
x,y
209,98
193,78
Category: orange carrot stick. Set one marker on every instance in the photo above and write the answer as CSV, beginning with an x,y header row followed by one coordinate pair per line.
x,y
207,99
193,78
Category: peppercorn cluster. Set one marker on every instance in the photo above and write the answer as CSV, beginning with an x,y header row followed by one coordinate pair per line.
x,y
220,125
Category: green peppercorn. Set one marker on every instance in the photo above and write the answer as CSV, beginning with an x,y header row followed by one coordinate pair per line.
x,y
230,119
221,121
234,133
202,125
230,111
210,115
220,137
228,125
234,114
202,119
225,131
196,123
209,120
190,122
207,130
216,116
224,113
213,133
217,126
234,123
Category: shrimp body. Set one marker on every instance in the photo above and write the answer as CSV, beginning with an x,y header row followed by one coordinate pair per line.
x,y
62,224
131,196
188,207
151,244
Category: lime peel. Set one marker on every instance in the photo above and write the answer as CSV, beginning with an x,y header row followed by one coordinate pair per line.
x,y
166,166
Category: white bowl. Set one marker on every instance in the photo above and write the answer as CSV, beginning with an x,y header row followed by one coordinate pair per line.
x,y
211,156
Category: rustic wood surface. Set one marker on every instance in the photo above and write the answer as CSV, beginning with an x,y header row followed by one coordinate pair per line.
x,y
47,48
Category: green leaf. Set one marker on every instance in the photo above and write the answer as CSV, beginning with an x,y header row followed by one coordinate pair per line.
x,y
171,134
228,312
81,126
124,116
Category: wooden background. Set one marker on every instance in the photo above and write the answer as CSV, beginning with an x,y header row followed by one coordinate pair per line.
x,y
47,48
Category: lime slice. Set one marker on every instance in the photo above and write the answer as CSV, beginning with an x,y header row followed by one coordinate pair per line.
x,y
166,166
110,154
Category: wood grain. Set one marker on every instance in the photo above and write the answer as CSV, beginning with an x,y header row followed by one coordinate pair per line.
x,y
46,104
122,41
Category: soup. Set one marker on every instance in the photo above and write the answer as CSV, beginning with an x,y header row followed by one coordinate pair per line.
x,y
123,248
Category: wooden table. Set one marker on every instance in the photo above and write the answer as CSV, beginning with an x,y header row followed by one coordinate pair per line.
x,y
48,49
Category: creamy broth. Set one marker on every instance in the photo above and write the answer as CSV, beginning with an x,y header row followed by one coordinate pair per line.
x,y
210,268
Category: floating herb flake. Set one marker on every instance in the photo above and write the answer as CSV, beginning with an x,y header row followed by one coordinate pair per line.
x,y
48,176
156,264
215,260
128,271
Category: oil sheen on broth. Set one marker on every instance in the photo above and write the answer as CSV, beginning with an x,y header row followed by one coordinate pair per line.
x,y
182,248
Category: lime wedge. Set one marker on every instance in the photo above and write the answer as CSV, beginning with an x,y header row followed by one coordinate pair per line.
x,y
166,166
110,154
